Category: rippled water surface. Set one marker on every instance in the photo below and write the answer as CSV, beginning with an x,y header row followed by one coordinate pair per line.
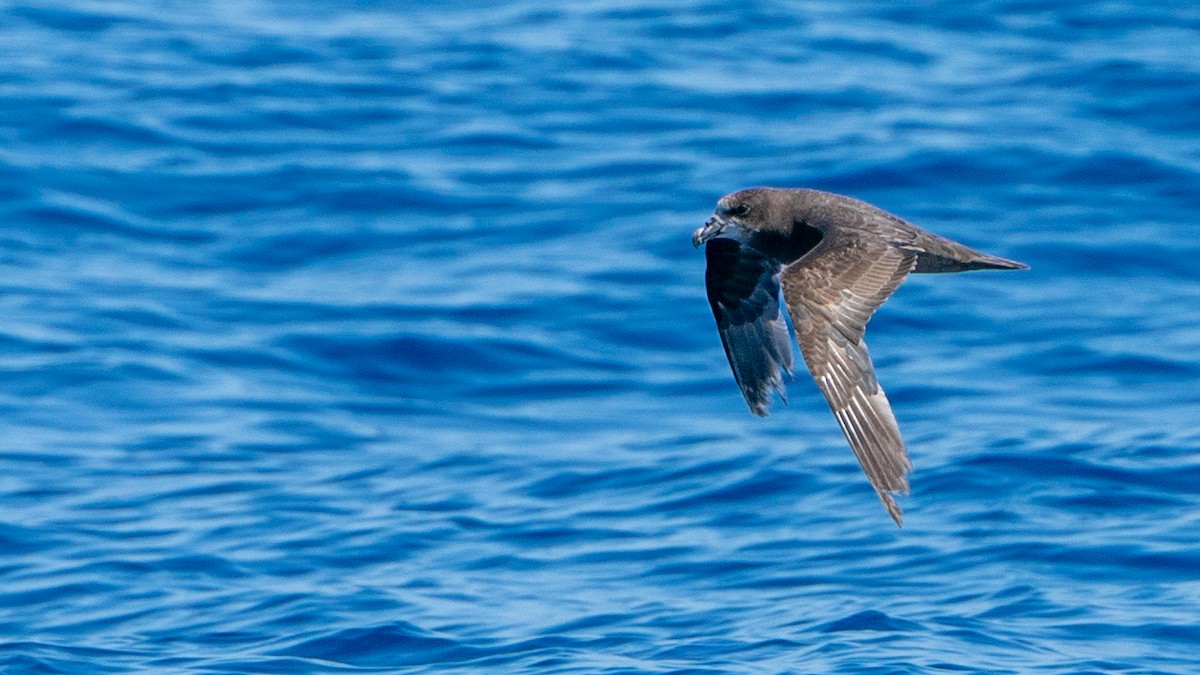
x,y
369,337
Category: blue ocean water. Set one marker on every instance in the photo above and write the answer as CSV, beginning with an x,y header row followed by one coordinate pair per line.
x,y
369,337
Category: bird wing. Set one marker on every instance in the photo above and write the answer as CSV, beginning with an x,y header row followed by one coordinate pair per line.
x,y
743,290
831,293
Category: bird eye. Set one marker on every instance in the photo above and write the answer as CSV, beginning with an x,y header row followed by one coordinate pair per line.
x,y
740,210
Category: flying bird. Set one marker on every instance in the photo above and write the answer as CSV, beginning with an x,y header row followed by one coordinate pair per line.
x,y
836,260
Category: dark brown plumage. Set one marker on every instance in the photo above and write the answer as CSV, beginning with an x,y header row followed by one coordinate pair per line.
x,y
836,259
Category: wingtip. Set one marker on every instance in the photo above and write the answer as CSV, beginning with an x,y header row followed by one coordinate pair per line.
x,y
759,402
758,406
893,508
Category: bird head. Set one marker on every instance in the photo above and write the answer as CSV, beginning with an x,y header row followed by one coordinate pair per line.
x,y
739,216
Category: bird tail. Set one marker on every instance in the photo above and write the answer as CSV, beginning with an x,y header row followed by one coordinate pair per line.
x,y
938,254
993,262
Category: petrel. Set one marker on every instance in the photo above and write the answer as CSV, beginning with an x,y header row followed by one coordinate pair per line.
x,y
837,259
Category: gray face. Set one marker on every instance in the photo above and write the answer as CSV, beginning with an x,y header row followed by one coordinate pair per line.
x,y
736,218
